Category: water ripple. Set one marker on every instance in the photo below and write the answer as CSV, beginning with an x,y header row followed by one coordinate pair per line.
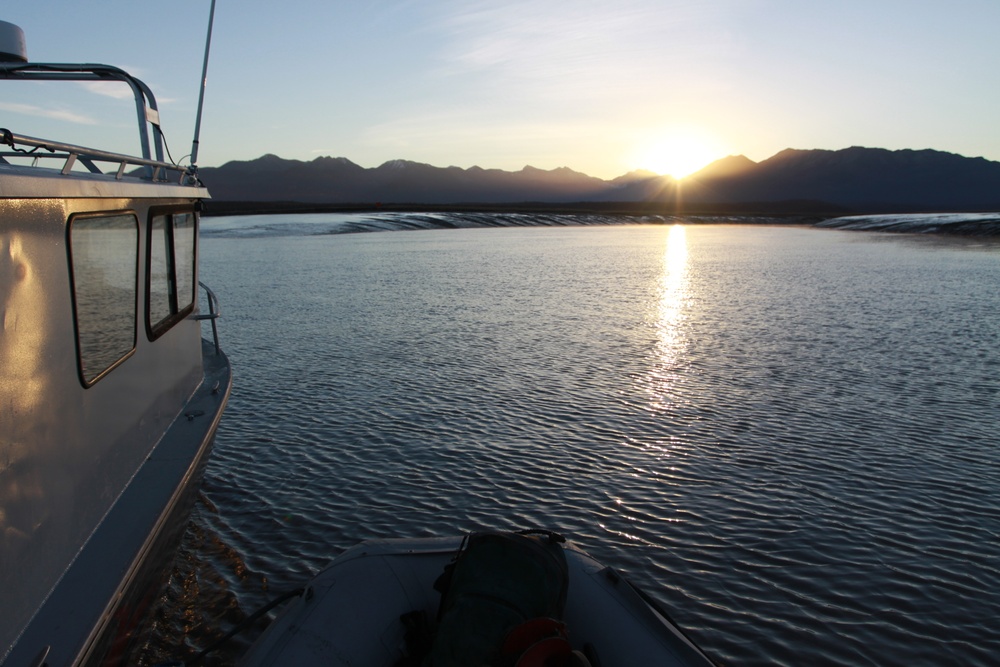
x,y
786,436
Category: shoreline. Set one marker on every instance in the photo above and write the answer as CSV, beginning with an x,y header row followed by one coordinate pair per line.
x,y
814,214
794,212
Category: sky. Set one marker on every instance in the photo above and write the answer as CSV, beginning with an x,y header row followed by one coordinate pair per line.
x,y
603,88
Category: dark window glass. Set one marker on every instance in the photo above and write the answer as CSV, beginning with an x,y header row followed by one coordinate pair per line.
x,y
184,237
171,270
160,284
105,259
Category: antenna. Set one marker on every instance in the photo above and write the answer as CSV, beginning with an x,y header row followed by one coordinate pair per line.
x,y
201,94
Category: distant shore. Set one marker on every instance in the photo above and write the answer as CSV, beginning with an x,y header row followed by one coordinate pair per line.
x,y
971,224
792,212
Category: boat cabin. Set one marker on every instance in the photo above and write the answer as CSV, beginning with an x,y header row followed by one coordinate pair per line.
x,y
109,396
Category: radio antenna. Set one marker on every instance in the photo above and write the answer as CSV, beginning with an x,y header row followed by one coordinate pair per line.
x,y
201,93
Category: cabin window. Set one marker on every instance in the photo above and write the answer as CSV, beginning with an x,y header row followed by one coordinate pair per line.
x,y
104,260
171,265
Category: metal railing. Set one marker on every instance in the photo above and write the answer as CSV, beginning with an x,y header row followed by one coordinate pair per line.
x,y
88,157
213,314
147,116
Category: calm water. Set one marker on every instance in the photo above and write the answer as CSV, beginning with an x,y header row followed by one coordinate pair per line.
x,y
788,436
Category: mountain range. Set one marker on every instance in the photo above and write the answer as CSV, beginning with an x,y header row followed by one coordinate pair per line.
x,y
852,179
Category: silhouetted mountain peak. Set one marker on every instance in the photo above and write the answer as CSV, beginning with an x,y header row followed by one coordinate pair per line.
x,y
635,175
732,165
528,169
327,161
397,165
266,162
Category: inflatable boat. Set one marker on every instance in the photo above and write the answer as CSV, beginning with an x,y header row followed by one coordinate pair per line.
x,y
496,598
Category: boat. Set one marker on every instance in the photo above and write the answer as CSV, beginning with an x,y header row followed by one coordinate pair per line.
x,y
382,603
110,396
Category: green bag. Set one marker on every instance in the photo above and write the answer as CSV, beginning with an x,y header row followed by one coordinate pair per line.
x,y
497,582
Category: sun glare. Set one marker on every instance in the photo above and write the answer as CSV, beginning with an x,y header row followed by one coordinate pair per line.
x,y
678,154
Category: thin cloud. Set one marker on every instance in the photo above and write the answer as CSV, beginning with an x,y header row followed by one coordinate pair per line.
x,y
558,39
114,89
578,56
55,114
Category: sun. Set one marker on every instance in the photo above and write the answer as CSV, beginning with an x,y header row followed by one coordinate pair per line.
x,y
678,154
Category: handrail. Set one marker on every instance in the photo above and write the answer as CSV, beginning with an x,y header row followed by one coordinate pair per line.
x,y
214,313
87,156
145,102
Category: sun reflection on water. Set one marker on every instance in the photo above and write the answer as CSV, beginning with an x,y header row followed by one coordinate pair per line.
x,y
674,294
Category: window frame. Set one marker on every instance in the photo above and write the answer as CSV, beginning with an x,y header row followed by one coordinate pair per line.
x,y
73,284
156,329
